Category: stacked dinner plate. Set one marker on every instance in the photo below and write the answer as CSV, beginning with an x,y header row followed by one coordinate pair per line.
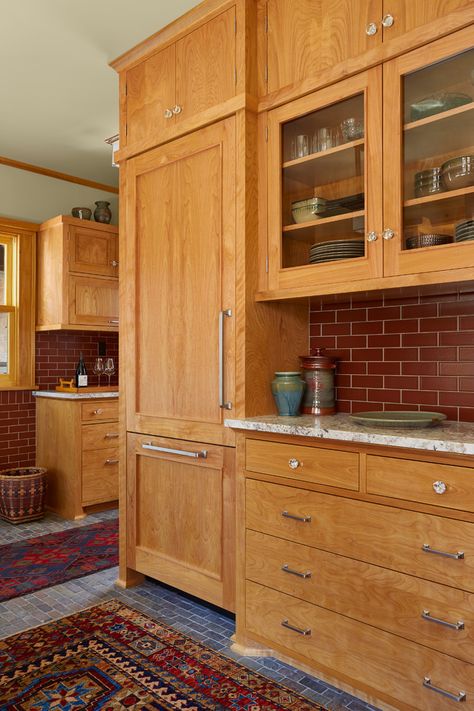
x,y
336,249
465,231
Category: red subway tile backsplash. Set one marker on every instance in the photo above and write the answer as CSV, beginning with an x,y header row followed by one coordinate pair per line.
x,y
418,350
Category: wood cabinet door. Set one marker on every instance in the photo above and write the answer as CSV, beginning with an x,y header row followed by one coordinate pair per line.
x,y
180,260
92,251
306,37
93,302
180,523
150,92
206,65
409,15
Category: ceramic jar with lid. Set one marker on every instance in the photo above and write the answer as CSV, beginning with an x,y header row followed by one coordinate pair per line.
x,y
318,373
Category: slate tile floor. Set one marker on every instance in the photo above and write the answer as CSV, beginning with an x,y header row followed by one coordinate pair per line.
x,y
196,619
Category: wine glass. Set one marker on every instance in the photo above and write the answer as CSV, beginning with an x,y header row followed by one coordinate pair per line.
x,y
109,368
98,368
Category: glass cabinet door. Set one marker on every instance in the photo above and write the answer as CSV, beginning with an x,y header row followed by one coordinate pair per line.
x,y
429,132
324,183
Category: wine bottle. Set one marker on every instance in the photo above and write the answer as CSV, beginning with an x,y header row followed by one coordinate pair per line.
x,y
81,373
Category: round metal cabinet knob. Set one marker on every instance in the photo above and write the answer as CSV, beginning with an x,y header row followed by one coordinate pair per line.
x,y
388,20
439,487
168,113
294,463
114,263
371,29
388,234
372,237
177,109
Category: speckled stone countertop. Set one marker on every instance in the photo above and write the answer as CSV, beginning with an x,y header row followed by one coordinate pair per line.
x,y
74,396
454,437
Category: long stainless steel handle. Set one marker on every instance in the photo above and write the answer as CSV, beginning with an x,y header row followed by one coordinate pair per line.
x,y
286,569
305,633
428,549
227,313
111,461
459,625
111,435
303,519
454,697
202,454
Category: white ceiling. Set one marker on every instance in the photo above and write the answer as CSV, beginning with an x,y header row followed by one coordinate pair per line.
x,y
59,97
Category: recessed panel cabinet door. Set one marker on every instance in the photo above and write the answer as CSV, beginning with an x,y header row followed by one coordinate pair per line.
x,y
181,249
410,15
92,252
306,37
93,301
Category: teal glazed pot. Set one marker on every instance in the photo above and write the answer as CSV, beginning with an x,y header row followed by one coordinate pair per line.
x,y
287,389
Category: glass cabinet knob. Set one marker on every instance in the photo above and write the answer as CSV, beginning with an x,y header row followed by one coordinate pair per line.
x,y
371,29
177,109
168,113
294,463
371,236
439,487
388,233
388,20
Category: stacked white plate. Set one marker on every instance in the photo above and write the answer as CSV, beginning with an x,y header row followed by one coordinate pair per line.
x,y
336,249
465,231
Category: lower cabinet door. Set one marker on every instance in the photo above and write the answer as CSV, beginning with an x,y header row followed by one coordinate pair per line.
x,y
181,528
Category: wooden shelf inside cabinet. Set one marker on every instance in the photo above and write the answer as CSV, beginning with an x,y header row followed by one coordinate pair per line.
x,y
339,163
440,134
441,208
325,228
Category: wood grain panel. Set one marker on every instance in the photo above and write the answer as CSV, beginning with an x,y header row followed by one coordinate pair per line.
x,y
410,15
377,596
99,476
210,51
414,482
93,301
97,410
392,667
92,252
316,465
100,436
376,534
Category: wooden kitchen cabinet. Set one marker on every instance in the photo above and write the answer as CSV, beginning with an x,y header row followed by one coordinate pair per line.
x,y
301,41
368,584
160,91
77,275
181,515
78,442
359,203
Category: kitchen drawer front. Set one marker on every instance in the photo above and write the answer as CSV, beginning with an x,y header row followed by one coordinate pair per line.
x,y
100,436
320,466
391,665
436,484
99,476
383,535
99,410
383,598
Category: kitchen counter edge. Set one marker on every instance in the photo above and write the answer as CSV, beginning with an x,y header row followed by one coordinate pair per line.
x,y
75,396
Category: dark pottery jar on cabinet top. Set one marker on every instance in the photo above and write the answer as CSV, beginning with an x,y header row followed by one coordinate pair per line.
x,y
102,212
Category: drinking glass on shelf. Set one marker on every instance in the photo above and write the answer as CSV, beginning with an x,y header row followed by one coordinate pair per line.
x,y
109,368
98,368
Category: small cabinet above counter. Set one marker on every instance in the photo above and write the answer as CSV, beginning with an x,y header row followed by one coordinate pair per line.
x,y
77,275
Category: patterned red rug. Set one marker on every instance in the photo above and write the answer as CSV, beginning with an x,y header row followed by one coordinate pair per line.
x,y
44,561
113,657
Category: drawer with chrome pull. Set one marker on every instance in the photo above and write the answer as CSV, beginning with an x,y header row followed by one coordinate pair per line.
x,y
424,545
428,483
320,466
435,615
99,475
398,670
100,436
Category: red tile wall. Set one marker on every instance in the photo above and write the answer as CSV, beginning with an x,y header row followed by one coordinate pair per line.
x,y
414,353
57,353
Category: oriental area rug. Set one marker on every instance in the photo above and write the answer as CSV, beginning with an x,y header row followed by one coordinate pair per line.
x,y
43,561
113,657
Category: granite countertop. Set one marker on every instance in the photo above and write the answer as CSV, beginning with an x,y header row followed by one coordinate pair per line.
x,y
453,437
74,396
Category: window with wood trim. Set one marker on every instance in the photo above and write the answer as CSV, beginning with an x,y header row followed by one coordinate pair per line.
x,y
17,317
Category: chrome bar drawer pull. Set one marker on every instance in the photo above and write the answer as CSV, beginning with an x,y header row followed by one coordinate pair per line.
x,y
202,454
454,697
287,569
459,625
111,435
111,461
303,519
305,633
428,549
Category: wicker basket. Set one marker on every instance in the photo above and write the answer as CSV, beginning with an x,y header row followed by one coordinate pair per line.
x,y
22,494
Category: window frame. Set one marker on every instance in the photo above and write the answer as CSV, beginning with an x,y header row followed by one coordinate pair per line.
x,y
20,271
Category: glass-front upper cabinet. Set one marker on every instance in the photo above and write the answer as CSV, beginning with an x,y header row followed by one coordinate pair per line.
x,y
429,132
323,186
